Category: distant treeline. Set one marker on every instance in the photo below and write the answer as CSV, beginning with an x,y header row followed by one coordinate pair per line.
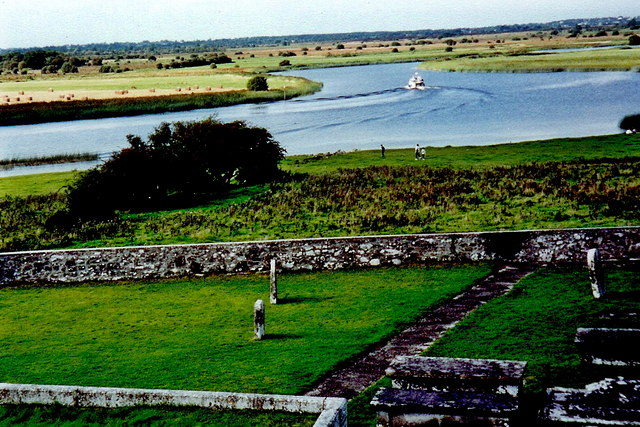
x,y
170,46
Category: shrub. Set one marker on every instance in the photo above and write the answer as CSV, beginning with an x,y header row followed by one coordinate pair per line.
x,y
257,83
394,50
180,163
106,69
340,46
67,67
159,66
284,63
634,40
450,49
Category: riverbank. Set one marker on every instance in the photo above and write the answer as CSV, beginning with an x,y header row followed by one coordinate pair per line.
x,y
622,58
455,189
41,112
615,146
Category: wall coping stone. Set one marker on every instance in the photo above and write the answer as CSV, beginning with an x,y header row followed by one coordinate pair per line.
x,y
332,410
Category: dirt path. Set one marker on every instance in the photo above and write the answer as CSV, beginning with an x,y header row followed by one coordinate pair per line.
x,y
359,373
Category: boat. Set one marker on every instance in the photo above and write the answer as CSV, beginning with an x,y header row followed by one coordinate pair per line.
x,y
416,82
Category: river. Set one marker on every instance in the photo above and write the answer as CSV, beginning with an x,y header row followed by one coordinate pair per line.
x,y
365,106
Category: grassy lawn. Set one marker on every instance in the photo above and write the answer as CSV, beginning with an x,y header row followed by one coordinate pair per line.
x,y
197,334
57,415
476,156
537,322
618,59
37,184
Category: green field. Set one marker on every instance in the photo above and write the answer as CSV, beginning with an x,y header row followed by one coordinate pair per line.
x,y
198,334
40,112
618,59
171,79
37,184
476,156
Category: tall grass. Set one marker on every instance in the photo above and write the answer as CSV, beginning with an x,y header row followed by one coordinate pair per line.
x,y
373,200
46,160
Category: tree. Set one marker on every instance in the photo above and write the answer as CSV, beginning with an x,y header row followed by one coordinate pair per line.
x,y
180,163
630,122
257,83
67,67
634,40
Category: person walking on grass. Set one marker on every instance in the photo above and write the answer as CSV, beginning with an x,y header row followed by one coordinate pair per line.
x,y
417,151
382,150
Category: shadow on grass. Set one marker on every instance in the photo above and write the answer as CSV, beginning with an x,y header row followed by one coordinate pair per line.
x,y
300,300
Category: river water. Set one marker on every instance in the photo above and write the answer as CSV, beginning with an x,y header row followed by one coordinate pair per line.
x,y
365,106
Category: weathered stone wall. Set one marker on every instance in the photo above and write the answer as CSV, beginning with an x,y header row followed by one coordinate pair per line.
x,y
332,411
619,244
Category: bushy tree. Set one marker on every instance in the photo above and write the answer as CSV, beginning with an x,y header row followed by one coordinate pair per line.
x,y
68,67
180,163
630,122
257,83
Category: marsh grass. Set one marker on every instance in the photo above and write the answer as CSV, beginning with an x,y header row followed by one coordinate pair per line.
x,y
46,160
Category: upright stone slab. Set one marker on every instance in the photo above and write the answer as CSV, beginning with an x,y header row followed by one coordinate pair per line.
x,y
273,280
596,273
258,320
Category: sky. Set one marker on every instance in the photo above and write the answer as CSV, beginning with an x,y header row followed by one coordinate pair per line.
x,y
29,23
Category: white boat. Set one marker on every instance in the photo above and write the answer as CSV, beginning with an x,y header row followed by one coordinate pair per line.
x,y
416,82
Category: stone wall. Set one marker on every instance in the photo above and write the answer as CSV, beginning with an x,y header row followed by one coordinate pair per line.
x,y
332,411
619,244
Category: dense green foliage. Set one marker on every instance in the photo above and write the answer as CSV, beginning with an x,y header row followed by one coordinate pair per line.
x,y
58,415
537,322
257,83
631,122
180,163
198,333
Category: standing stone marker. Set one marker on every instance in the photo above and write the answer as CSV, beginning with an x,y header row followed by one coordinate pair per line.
x,y
258,320
273,279
596,273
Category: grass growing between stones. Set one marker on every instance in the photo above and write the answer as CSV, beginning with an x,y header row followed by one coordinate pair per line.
x,y
537,322
58,415
198,334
